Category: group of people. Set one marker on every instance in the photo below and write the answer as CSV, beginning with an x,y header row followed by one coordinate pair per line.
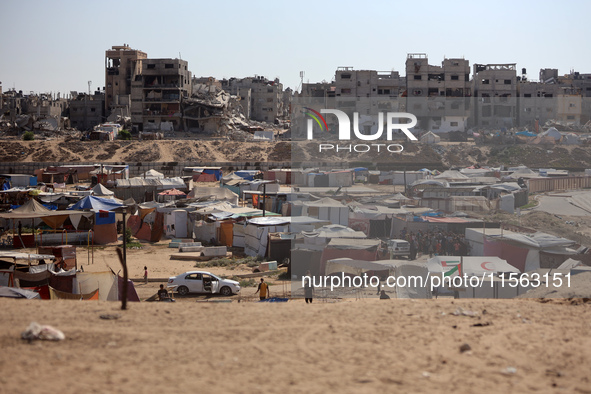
x,y
441,243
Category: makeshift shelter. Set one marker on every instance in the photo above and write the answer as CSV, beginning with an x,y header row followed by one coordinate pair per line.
x,y
522,251
430,138
100,191
13,292
105,228
357,249
552,132
256,233
204,174
152,174
323,209
96,204
176,224
452,176
213,193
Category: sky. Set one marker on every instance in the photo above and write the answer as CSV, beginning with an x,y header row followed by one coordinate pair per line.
x,y
58,46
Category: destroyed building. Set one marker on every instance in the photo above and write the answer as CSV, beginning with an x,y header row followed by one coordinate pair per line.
x,y
86,111
262,99
121,64
211,110
161,85
437,95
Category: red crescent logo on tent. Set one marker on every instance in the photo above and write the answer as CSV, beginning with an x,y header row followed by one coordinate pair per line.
x,y
483,265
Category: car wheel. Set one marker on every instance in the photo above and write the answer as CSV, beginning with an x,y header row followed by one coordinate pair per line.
x,y
183,290
226,291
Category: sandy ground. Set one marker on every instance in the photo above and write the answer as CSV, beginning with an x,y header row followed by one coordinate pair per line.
x,y
350,346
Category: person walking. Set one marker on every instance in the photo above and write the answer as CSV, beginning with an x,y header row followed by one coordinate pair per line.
x,y
264,290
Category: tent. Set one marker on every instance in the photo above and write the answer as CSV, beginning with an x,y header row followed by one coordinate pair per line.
x,y
96,204
213,193
105,228
430,138
13,292
334,231
471,265
31,206
522,251
552,132
256,233
101,191
152,174
358,249
452,175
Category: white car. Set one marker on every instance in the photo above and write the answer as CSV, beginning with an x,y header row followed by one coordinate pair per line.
x,y
399,248
203,282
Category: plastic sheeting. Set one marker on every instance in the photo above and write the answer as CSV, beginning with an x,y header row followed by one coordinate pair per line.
x,y
105,282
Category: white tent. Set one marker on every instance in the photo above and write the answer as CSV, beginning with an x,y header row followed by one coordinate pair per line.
x,y
151,174
101,191
552,132
430,138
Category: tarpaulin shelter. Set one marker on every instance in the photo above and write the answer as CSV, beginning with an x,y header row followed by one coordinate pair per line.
x,y
152,174
100,191
357,249
96,204
256,233
522,251
470,265
105,228
205,174
13,292
323,209
213,193
430,138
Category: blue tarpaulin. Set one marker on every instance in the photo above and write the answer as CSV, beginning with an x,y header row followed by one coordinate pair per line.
x,y
216,173
96,204
526,133
248,175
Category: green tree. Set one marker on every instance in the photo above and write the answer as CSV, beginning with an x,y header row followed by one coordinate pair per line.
x,y
29,136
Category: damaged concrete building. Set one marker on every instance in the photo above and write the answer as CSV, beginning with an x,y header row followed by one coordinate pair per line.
x,y
161,86
122,64
437,95
87,111
262,99
495,92
34,111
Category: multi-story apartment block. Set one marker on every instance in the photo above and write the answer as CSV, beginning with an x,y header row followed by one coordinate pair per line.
x,y
160,86
122,64
495,95
438,95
